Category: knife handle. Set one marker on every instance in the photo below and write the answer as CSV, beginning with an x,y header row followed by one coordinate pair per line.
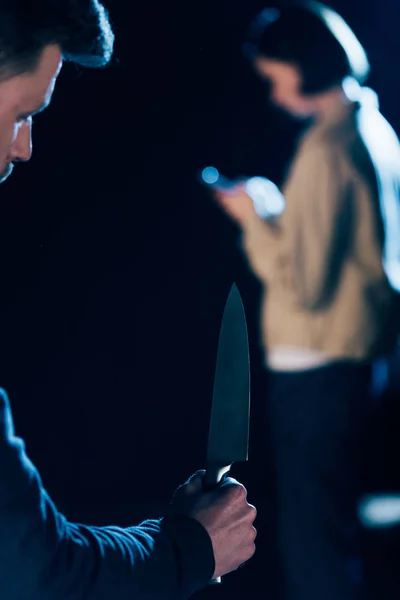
x,y
215,474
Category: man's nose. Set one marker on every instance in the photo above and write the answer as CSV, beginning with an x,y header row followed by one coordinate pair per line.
x,y
21,150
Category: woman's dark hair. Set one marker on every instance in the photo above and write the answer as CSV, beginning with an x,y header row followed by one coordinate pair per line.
x,y
312,37
80,27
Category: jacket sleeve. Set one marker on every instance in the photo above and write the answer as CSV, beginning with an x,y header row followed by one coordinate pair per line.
x,y
304,254
45,557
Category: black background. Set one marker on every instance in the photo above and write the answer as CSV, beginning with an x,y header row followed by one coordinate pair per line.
x,y
115,263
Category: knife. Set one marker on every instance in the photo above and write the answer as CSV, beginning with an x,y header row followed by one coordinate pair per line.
x,y
228,439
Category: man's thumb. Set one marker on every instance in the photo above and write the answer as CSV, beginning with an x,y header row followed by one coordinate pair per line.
x,y
194,484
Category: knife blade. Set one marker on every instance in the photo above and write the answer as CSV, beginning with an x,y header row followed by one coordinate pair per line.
x,y
229,424
228,438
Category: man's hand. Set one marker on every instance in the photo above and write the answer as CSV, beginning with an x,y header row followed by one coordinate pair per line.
x,y
236,203
226,516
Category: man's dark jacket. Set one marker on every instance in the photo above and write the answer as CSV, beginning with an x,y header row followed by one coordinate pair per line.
x,y
45,557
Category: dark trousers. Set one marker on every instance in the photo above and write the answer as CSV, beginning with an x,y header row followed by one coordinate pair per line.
x,y
316,422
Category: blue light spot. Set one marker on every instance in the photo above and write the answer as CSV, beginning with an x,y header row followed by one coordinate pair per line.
x,y
210,175
380,511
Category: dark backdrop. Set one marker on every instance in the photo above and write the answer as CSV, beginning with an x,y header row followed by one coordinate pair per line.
x,y
115,264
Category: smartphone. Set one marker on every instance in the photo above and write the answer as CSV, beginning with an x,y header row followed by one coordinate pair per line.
x,y
269,202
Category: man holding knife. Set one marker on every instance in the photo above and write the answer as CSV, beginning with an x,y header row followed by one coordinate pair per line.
x,y
205,534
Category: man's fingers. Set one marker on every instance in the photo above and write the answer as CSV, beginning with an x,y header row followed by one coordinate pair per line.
x,y
229,485
195,483
233,487
230,481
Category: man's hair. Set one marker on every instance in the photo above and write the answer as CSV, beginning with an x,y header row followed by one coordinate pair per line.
x,y
80,27
313,38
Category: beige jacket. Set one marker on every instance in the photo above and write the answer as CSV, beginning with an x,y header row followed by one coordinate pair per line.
x,y
332,264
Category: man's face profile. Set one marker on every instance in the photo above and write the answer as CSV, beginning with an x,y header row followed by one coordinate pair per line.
x,y
21,97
